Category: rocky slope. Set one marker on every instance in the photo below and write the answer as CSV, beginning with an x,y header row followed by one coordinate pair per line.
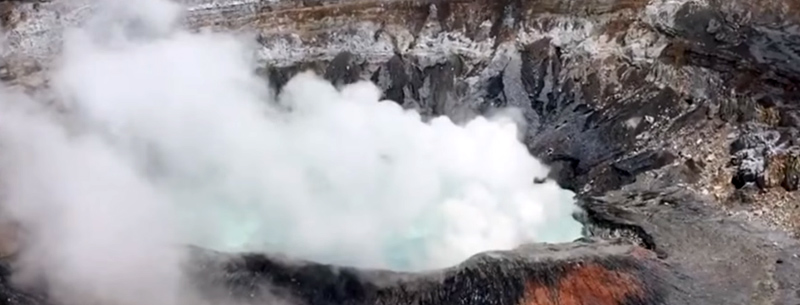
x,y
674,120
580,273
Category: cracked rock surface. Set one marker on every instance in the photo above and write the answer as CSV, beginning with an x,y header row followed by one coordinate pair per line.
x,y
675,121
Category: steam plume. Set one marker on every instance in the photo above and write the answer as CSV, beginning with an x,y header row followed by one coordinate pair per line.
x,y
172,139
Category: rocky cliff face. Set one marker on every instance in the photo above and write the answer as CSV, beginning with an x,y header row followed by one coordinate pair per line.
x,y
674,120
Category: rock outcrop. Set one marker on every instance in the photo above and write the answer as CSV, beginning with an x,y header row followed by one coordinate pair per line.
x,y
675,121
585,272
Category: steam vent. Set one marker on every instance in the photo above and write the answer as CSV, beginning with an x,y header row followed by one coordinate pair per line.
x,y
675,123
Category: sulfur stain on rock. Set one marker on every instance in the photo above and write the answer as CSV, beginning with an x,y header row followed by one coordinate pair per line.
x,y
9,239
783,169
586,272
768,115
8,17
586,284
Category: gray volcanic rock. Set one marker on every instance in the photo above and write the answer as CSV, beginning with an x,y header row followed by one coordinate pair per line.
x,y
589,271
674,120
11,295
586,272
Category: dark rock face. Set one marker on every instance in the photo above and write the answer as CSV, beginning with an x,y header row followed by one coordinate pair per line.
x,y
589,271
11,295
674,121
580,273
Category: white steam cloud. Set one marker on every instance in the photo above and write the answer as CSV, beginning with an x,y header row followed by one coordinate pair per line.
x,y
172,139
